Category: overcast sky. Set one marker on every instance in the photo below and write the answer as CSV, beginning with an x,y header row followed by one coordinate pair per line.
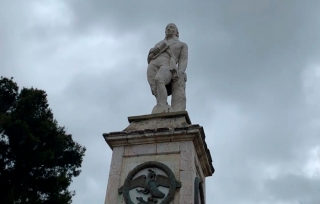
x,y
253,84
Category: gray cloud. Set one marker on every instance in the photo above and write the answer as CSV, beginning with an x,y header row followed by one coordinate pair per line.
x,y
293,188
252,83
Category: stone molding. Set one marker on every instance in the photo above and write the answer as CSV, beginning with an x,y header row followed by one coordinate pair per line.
x,y
179,131
160,115
160,120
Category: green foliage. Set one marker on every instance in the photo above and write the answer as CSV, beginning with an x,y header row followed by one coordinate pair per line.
x,y
37,157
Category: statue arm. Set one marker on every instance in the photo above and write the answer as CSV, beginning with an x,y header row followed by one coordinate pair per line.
x,y
183,60
156,48
150,55
153,51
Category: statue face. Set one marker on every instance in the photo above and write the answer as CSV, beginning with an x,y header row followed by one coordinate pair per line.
x,y
171,30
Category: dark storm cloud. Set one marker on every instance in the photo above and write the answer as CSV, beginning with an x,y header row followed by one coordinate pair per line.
x,y
127,16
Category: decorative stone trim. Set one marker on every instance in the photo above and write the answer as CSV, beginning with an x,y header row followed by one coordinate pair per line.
x,y
163,128
193,133
160,115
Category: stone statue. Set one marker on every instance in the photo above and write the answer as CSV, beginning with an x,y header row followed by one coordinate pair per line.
x,y
164,76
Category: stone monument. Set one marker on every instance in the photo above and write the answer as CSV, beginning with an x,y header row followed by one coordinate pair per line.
x,y
161,158
164,77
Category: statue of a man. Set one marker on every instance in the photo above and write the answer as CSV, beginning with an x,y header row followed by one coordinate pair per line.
x,y
164,76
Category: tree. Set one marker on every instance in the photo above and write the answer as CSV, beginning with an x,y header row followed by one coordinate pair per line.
x,y
38,159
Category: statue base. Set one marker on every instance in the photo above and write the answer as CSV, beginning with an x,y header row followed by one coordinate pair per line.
x,y
162,109
165,145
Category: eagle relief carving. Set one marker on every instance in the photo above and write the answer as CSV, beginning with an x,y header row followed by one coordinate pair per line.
x,y
150,184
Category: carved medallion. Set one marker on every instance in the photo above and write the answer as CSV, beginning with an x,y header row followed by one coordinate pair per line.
x,y
150,184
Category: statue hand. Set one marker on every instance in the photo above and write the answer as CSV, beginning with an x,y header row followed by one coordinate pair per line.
x,y
176,75
175,78
155,50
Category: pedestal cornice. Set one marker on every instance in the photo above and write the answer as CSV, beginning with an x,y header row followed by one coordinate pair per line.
x,y
160,128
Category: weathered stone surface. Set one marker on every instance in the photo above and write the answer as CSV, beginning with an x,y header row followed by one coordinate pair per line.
x,y
140,149
168,147
114,175
157,131
187,157
181,147
162,109
187,180
186,199
158,121
160,115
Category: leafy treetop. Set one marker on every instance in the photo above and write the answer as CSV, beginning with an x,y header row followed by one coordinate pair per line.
x,y
37,157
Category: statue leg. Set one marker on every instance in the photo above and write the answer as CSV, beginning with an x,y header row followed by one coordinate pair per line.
x,y
159,76
178,100
151,73
162,78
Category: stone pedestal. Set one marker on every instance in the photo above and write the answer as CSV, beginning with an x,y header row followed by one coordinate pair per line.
x,y
152,148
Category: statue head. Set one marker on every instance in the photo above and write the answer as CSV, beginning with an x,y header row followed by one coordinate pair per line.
x,y
171,30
